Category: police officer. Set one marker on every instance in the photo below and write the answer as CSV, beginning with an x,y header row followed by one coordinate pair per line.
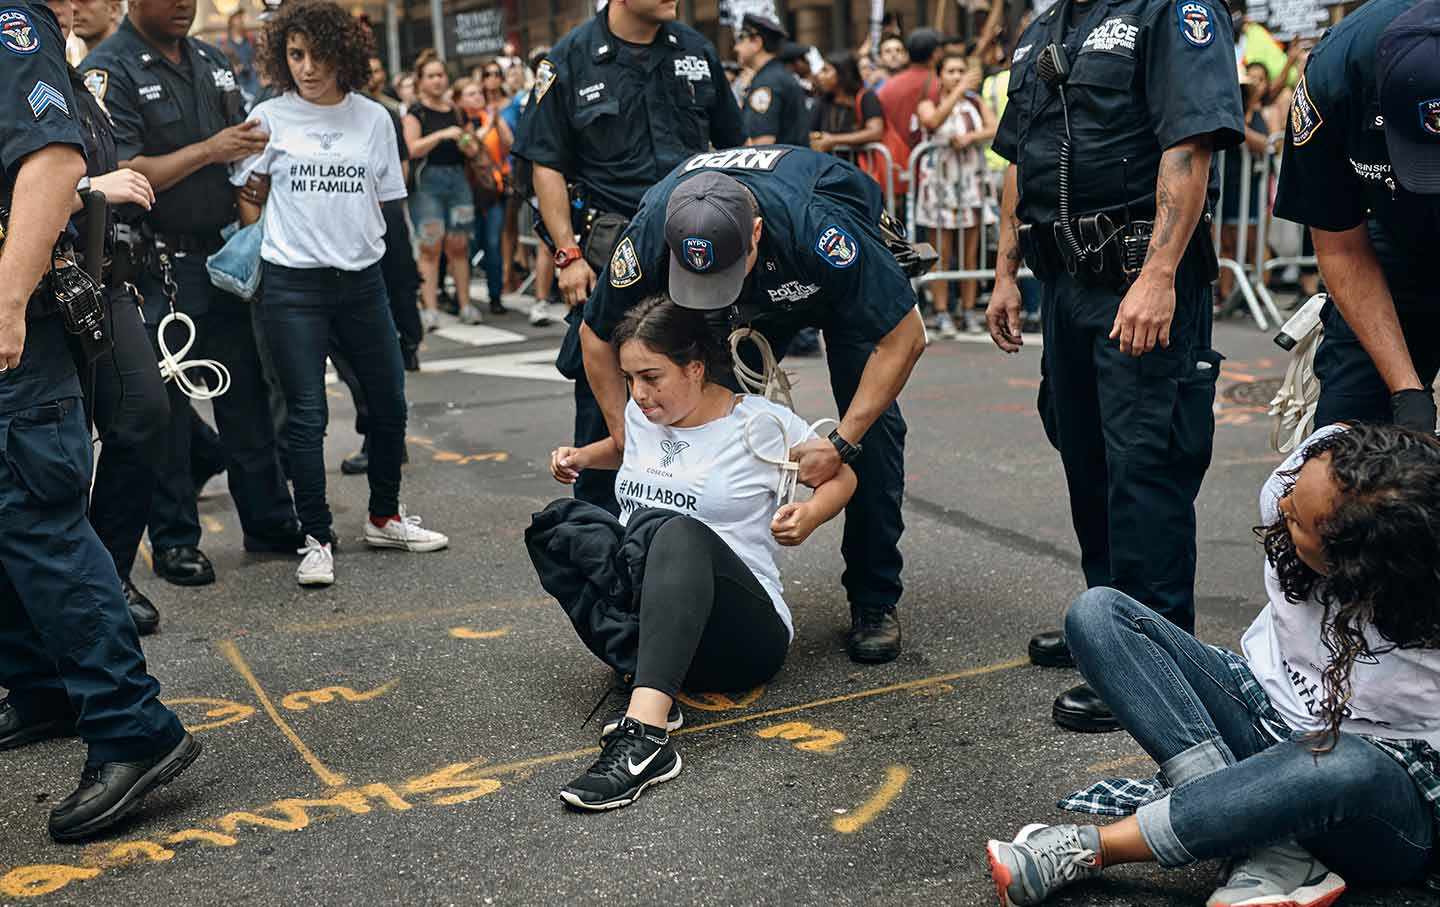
x,y
1361,167
1135,95
69,655
775,108
179,120
784,238
617,103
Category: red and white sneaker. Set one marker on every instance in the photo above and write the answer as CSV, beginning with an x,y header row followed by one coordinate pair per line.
x,y
404,532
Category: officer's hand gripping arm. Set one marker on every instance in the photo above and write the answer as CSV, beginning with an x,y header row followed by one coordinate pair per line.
x,y
1002,316
40,206
231,144
1149,305
607,382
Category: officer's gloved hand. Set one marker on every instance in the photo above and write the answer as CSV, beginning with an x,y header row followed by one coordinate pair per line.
x,y
1414,409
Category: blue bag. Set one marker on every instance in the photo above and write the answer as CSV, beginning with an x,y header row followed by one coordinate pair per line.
x,y
236,267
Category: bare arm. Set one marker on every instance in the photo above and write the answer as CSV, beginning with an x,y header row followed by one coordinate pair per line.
x,y
931,115
577,279
1149,306
231,144
250,198
421,145
1002,316
761,140
874,131
793,523
1357,285
607,382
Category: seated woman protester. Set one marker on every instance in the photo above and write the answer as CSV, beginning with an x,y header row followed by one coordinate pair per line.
x,y
1311,759
711,616
332,159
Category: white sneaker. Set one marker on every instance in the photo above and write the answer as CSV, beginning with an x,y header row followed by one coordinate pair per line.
x,y
404,532
471,315
946,326
318,566
540,314
430,318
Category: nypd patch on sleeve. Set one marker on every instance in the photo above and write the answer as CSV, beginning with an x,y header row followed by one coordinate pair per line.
x,y
544,78
1305,118
98,82
837,247
624,265
17,32
1197,24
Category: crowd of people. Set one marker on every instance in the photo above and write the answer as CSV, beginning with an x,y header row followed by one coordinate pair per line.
x,y
696,231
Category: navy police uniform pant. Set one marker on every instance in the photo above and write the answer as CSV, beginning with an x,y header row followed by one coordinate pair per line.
x,y
1135,437
242,415
67,643
594,486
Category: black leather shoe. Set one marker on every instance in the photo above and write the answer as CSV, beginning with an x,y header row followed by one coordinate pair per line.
x,y
142,609
410,356
874,636
1082,709
184,566
1050,650
109,792
498,308
16,731
357,464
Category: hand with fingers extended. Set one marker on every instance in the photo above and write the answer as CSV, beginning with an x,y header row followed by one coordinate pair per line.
x,y
1143,321
793,523
1002,316
237,142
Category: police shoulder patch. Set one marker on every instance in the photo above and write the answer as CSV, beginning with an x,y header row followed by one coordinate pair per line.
x,y
624,265
837,247
17,32
544,78
1305,118
98,82
1197,26
1430,116
760,99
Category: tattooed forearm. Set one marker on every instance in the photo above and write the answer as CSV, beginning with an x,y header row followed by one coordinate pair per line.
x,y
1009,255
1179,201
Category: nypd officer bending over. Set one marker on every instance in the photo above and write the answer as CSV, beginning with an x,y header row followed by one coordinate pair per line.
x,y
1362,168
178,120
617,104
775,103
69,655
1115,108
785,238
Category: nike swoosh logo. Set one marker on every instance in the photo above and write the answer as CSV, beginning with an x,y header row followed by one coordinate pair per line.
x,y
635,770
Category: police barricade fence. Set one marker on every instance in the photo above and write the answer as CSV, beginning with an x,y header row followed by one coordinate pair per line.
x,y
852,153
1250,261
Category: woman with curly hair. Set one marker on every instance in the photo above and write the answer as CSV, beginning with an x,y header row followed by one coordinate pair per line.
x,y
1312,758
331,161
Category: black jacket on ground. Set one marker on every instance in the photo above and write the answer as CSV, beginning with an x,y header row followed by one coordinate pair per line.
x,y
594,567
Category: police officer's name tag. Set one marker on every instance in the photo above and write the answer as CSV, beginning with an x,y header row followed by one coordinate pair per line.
x,y
692,68
738,159
590,94
1115,35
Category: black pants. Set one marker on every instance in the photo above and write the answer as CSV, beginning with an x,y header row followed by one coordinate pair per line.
x,y
595,486
131,412
706,623
402,277
1351,389
1134,435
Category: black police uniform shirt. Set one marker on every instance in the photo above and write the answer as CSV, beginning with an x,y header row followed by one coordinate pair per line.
x,y
159,107
775,105
1144,76
1335,172
821,260
617,117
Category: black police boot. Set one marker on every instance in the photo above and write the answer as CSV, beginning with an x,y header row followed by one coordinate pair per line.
x,y
15,731
1050,650
874,636
142,609
410,355
1081,709
185,565
109,792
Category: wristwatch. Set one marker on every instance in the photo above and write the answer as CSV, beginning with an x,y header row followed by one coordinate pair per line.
x,y
848,452
566,256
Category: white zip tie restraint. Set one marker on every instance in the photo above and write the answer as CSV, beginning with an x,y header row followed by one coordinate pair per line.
x,y
1293,407
174,365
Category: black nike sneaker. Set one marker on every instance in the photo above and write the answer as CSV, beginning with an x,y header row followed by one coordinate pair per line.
x,y
634,757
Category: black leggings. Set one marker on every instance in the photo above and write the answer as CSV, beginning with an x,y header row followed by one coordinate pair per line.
x,y
706,623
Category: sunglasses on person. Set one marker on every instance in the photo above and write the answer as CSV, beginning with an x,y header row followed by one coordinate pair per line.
x,y
747,34
491,73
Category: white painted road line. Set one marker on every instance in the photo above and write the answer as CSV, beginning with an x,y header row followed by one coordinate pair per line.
x,y
533,365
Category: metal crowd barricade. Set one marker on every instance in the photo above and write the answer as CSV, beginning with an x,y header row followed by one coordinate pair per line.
x,y
1249,275
849,153
1262,239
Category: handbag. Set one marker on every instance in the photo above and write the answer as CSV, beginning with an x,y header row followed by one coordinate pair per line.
x,y
484,177
235,268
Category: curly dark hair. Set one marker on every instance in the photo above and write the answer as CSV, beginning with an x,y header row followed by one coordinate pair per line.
x,y
679,334
335,37
1381,546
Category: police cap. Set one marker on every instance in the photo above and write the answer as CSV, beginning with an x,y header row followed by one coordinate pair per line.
x,y
1407,68
765,25
708,229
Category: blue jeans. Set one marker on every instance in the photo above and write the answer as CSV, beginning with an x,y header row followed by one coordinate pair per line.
x,y
1233,788
488,225
305,311
442,201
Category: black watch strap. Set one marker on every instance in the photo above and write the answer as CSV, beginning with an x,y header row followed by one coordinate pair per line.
x,y
848,451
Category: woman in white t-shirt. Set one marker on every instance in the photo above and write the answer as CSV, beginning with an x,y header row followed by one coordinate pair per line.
x,y
332,159
1314,757
711,612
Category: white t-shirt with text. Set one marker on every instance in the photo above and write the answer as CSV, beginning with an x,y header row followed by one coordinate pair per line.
x,y
1395,695
330,167
708,473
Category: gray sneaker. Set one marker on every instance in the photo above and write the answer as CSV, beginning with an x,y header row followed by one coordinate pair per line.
x,y
1281,875
1041,860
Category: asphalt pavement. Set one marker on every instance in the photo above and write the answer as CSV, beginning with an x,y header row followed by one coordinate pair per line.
x,y
400,737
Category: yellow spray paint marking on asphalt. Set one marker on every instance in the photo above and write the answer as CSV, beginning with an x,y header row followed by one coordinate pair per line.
x,y
34,881
805,737
1123,762
299,702
895,778
237,661
211,524
144,553
220,711
440,455
720,702
467,633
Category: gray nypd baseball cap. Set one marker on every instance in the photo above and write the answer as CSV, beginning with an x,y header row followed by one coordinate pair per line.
x,y
708,229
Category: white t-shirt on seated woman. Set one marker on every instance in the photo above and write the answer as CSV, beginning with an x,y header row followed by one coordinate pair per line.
x,y
707,472
330,167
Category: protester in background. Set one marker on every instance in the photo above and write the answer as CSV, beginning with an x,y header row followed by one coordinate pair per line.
x,y
1252,90
846,112
321,264
481,104
951,194
239,46
441,206
894,56
405,90
95,20
870,72
901,95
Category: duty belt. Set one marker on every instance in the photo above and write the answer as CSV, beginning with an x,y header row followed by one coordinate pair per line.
x,y
205,242
1112,250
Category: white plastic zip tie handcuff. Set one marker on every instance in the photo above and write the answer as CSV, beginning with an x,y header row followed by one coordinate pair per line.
x,y
173,365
